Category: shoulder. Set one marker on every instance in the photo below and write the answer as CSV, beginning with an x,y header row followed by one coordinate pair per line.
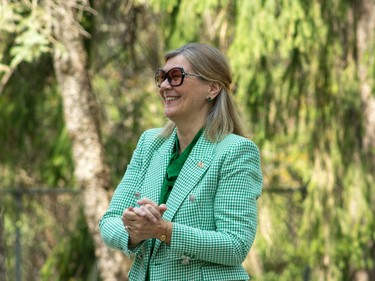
x,y
151,134
233,142
152,138
234,146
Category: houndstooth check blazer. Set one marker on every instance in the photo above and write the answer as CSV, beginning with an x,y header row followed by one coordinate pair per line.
x,y
212,206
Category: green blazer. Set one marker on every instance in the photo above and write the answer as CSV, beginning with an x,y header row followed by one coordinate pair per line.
x,y
212,206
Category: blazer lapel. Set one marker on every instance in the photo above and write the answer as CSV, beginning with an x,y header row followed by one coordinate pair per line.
x,y
157,169
194,168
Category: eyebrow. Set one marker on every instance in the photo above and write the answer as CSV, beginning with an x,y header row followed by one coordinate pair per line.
x,y
183,68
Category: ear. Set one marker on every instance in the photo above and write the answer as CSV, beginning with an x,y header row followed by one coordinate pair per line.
x,y
214,89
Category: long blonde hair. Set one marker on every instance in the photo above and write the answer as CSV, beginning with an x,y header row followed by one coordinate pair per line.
x,y
212,65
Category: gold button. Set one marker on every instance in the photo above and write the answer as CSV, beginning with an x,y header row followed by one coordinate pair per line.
x,y
163,238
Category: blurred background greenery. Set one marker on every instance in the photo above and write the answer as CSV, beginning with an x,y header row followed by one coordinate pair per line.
x,y
304,73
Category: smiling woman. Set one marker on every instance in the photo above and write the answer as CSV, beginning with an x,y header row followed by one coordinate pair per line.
x,y
186,100
187,204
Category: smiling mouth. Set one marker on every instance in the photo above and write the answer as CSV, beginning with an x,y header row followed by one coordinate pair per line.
x,y
170,98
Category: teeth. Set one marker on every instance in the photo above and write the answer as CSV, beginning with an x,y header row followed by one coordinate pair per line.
x,y
170,98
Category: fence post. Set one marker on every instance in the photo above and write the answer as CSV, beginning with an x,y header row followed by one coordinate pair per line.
x,y
18,197
306,273
2,247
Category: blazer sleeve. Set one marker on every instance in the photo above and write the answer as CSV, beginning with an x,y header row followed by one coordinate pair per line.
x,y
111,226
235,211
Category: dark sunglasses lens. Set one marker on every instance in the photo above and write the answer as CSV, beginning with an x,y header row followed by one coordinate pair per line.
x,y
159,77
175,76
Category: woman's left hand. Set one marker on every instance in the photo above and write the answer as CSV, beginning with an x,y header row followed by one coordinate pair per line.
x,y
150,210
144,222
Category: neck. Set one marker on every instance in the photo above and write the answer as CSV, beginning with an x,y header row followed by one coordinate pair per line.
x,y
187,128
186,135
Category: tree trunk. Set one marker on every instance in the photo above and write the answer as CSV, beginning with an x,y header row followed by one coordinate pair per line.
x,y
2,247
91,173
366,58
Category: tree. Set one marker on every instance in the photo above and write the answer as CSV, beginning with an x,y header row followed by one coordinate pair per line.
x,y
81,118
364,11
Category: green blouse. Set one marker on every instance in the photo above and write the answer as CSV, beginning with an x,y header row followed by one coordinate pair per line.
x,y
175,165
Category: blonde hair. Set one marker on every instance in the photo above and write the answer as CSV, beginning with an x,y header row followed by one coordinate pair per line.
x,y
212,65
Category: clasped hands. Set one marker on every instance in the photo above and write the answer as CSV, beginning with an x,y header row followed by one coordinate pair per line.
x,y
145,222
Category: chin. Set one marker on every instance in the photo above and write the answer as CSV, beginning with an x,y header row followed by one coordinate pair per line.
x,y
169,114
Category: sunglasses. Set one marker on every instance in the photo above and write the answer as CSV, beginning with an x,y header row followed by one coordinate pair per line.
x,y
175,76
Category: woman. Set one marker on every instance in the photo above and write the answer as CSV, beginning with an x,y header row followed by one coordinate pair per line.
x,y
186,206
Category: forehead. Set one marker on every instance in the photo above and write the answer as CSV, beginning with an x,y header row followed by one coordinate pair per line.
x,y
177,61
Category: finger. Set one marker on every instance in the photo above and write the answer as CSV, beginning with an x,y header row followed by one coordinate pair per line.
x,y
125,221
139,211
145,201
148,212
129,213
152,213
162,208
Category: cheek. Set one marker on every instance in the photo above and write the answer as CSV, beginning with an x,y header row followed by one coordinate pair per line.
x,y
199,97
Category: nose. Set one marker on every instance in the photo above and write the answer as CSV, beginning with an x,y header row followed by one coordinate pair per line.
x,y
165,84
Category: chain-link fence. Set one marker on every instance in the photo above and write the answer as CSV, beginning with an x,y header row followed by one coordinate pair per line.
x,y
37,219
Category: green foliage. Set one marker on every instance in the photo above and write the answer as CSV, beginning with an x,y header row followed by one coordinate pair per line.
x,y
30,114
283,258
73,258
272,56
41,223
30,45
121,81
327,96
30,26
208,23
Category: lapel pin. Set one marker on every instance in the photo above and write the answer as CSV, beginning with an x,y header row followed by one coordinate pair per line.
x,y
137,194
200,164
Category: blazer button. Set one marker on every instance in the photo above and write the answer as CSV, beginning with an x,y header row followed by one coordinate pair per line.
x,y
185,260
137,194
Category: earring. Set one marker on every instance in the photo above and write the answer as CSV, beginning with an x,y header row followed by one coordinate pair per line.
x,y
209,99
